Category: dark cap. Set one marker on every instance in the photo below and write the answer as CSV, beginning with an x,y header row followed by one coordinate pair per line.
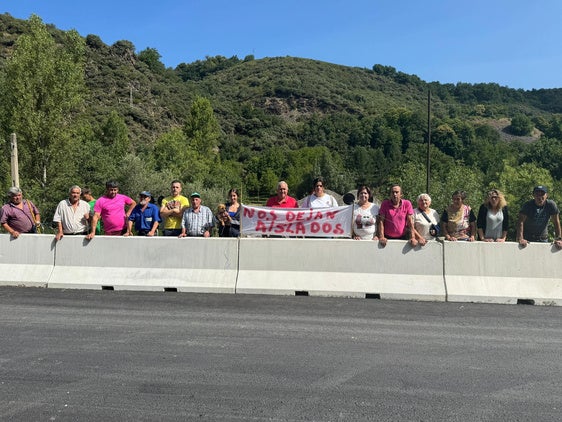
x,y
195,195
541,188
146,193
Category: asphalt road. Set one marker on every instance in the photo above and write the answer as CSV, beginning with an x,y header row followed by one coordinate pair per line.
x,y
70,355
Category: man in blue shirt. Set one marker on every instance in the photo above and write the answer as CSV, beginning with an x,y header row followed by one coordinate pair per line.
x,y
145,217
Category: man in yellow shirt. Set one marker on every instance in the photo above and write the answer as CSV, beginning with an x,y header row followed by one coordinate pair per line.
x,y
172,209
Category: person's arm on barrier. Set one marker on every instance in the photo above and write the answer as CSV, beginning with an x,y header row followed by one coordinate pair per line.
x,y
95,220
380,221
129,231
60,232
520,225
14,233
411,230
152,231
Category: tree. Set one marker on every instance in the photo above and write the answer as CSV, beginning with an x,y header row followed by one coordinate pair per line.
x,y
43,87
521,125
151,57
202,128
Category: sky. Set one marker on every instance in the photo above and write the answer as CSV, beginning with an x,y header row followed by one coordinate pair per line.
x,y
511,43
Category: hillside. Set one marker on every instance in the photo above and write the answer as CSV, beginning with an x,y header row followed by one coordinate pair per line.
x,y
288,118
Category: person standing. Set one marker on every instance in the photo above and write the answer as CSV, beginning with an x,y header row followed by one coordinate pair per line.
x,y
198,220
89,198
365,216
319,198
282,199
114,209
72,215
396,218
534,216
233,208
492,222
459,221
172,210
426,220
19,215
145,217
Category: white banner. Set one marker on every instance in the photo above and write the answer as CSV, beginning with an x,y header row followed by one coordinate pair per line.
x,y
310,222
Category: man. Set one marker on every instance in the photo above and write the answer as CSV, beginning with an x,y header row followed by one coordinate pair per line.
x,y
19,215
145,216
172,210
114,209
89,198
396,218
282,199
198,220
72,215
533,219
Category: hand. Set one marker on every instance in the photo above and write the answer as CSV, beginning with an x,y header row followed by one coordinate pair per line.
x,y
128,234
451,238
471,239
523,242
558,244
422,241
413,242
150,233
383,241
90,236
15,234
500,239
488,240
182,235
59,236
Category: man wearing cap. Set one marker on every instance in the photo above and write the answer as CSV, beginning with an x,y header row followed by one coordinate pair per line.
x,y
72,215
114,209
145,216
172,209
533,219
198,220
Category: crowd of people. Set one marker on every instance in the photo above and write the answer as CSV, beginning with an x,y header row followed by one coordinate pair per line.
x,y
179,216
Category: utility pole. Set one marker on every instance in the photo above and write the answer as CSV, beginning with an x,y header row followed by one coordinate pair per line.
x,y
14,160
428,138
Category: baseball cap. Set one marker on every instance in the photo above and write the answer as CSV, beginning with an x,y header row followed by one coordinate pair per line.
x,y
541,188
145,193
195,195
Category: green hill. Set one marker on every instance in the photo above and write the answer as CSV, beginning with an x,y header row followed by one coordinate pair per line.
x,y
224,122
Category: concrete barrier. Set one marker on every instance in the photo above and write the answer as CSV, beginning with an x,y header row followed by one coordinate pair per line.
x,y
503,273
26,261
334,267
140,263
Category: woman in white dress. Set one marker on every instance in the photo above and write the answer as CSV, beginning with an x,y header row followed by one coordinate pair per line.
x,y
318,198
424,218
365,216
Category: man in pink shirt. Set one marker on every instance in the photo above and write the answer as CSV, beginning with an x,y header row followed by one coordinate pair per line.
x,y
114,210
282,199
396,218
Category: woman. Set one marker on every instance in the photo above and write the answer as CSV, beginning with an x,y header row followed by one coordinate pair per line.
x,y
493,218
318,198
233,209
459,219
424,218
365,216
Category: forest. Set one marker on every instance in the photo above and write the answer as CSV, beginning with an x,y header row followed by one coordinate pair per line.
x,y
85,112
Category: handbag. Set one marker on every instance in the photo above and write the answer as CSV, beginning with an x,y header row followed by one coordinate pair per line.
x,y
37,227
434,229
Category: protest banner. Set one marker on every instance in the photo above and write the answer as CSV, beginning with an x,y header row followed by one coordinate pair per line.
x,y
290,222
